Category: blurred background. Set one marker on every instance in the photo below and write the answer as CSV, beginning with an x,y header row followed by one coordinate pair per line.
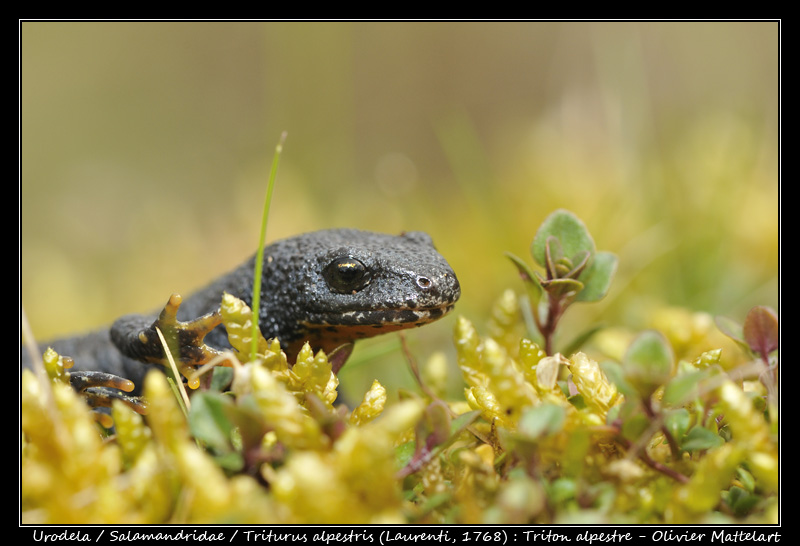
x,y
146,148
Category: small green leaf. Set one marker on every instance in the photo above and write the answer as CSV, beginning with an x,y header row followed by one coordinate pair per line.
x,y
564,267
561,490
463,421
677,422
570,232
404,453
746,479
221,378
579,263
615,373
733,330
209,422
578,401
700,438
597,278
634,426
530,279
562,288
730,328
249,421
541,421
553,254
524,270
740,501
682,388
649,362
231,461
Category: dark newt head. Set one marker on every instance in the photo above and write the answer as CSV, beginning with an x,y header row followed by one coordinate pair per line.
x,y
342,285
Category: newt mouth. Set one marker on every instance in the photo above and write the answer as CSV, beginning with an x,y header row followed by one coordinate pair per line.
x,y
379,320
330,331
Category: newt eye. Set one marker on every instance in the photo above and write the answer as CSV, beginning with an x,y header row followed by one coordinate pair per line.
x,y
346,275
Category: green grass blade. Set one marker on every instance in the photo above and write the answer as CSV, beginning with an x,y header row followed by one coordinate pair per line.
x,y
259,265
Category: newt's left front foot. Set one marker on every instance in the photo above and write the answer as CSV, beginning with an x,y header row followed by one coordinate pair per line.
x,y
144,342
100,389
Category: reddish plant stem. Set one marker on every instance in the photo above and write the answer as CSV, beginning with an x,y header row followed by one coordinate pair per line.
x,y
548,329
673,444
655,465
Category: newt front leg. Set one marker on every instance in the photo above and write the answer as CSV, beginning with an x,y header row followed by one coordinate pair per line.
x,y
137,338
100,389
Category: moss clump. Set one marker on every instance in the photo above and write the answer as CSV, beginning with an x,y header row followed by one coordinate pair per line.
x,y
661,429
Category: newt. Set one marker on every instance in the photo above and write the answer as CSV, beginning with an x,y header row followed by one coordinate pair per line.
x,y
329,288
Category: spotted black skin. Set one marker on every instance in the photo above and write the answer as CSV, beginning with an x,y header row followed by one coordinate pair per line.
x,y
297,301
327,287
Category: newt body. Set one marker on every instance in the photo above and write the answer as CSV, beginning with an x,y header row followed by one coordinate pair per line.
x,y
329,288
